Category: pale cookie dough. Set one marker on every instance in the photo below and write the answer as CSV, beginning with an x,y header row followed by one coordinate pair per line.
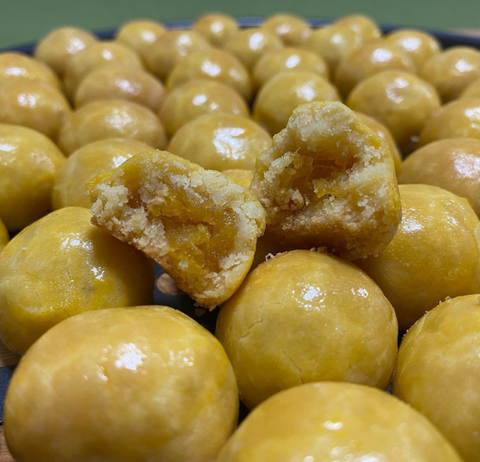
x,y
329,180
195,223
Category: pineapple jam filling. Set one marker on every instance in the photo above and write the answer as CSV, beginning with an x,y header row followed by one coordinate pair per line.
x,y
195,223
329,181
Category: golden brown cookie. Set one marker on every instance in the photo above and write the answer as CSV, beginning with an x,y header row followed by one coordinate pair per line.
x,y
442,350
104,119
452,164
336,421
60,266
197,98
34,104
284,92
70,186
451,71
115,81
154,372
58,46
216,28
251,43
29,162
287,59
171,48
435,253
140,35
94,56
400,100
221,142
304,316
215,65
290,29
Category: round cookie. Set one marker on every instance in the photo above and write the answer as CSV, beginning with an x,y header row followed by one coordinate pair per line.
x,y
290,29
100,120
373,57
171,48
216,65
305,317
196,98
362,25
333,43
337,422
287,59
418,45
251,43
116,81
451,164
284,92
29,163
58,46
34,104
435,253
457,119
70,186
216,28
16,66
221,142
140,35
154,372
60,266
400,100
442,349
94,56
451,71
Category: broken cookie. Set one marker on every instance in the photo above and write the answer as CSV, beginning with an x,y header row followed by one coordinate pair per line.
x,y
329,181
195,223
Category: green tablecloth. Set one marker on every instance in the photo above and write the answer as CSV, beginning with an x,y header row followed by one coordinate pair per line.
x,y
28,20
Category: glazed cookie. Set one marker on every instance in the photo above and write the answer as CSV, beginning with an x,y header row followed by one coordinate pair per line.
x,y
34,104
56,48
94,56
287,90
212,64
329,180
70,186
303,317
290,29
60,266
287,59
196,98
221,142
251,43
113,118
140,35
115,81
330,421
195,223
216,28
435,253
170,48
442,349
370,59
153,371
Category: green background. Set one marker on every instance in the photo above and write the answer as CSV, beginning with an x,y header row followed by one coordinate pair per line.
x,y
28,20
